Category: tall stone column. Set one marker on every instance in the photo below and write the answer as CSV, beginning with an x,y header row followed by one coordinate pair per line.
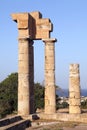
x,y
25,77
74,89
50,90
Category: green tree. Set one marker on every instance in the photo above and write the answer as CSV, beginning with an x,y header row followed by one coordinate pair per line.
x,y
84,104
65,104
8,94
39,95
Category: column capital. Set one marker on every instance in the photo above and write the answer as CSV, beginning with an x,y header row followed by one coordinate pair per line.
x,y
26,39
50,40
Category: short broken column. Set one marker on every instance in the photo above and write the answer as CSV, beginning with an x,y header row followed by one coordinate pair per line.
x,y
50,90
74,89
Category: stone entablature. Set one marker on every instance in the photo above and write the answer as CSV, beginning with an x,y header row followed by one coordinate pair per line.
x,y
32,25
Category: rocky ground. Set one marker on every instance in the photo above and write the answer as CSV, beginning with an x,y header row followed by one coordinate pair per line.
x,y
52,125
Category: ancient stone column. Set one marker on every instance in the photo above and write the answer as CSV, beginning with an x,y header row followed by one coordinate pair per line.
x,y
25,63
50,90
25,77
74,89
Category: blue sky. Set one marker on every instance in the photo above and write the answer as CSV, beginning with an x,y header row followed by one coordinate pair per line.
x,y
69,18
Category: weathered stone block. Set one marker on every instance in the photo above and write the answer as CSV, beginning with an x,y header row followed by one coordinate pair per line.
x,y
49,66
23,33
44,24
40,34
75,109
74,102
73,94
21,16
36,15
23,24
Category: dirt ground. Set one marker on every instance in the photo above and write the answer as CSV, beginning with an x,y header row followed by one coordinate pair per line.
x,y
59,126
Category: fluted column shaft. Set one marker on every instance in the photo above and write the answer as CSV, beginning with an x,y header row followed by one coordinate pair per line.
x,y
74,89
50,91
25,77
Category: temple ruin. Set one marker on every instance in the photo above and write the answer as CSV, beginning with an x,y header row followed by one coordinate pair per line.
x,y
31,26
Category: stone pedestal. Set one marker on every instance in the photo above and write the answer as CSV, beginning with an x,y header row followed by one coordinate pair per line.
x,y
74,89
50,90
25,77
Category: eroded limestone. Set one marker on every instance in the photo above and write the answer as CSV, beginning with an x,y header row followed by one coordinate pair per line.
x,y
74,89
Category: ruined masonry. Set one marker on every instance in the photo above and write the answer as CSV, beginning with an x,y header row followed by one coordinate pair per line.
x,y
74,90
31,26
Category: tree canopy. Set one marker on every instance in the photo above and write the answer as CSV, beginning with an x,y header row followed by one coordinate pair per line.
x,y
8,94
